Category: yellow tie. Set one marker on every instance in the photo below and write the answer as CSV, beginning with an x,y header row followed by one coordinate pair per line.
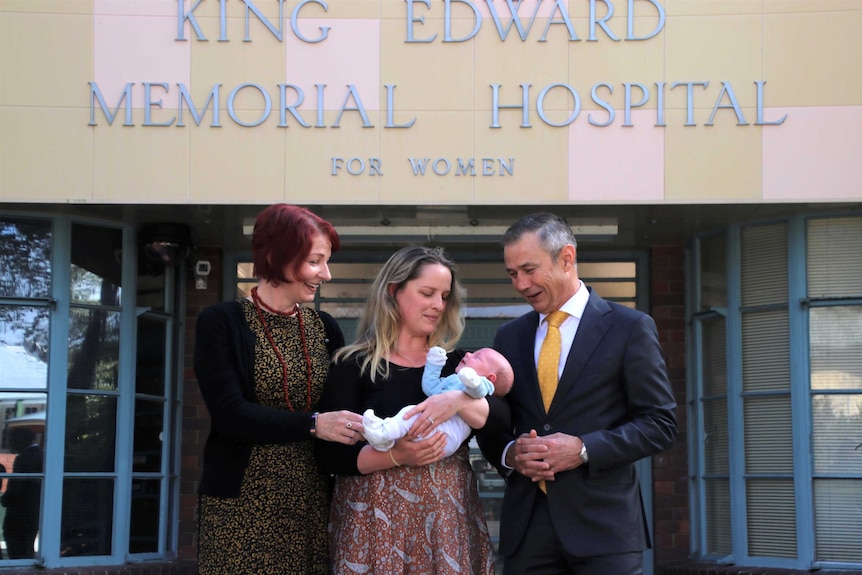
x,y
549,358
548,368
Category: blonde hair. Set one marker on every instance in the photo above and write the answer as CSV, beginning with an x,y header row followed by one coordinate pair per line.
x,y
377,332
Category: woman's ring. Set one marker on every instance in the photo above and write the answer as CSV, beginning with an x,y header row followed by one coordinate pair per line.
x,y
349,425
431,420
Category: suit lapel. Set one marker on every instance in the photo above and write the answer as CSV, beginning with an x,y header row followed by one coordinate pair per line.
x,y
527,360
591,330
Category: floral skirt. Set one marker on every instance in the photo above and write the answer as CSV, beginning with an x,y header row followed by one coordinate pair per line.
x,y
410,520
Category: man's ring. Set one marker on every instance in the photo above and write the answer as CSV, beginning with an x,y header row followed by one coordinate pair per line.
x,y
349,425
431,420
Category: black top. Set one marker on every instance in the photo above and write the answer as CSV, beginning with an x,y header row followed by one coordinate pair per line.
x,y
347,389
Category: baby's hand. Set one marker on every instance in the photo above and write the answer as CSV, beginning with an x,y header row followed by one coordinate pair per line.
x,y
469,377
436,356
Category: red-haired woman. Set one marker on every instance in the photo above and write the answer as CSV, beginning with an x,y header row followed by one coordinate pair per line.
x,y
261,362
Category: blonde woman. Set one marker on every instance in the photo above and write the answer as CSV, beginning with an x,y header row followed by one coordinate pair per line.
x,y
407,510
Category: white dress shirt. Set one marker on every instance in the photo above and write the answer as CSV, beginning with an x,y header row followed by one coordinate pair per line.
x,y
575,307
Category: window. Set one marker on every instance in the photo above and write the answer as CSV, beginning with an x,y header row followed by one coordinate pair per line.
x,y
89,363
778,394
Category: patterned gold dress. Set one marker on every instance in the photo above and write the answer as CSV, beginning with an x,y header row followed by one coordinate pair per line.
x,y
416,520
277,526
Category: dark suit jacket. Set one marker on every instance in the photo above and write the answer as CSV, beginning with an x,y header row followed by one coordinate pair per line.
x,y
614,394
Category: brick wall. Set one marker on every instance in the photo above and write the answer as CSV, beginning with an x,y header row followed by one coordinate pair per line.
x,y
670,468
195,417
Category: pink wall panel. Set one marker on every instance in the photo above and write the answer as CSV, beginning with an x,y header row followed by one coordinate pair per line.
x,y
349,55
135,7
616,163
133,48
815,155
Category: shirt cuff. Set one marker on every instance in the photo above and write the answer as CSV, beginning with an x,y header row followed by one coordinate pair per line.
x,y
505,451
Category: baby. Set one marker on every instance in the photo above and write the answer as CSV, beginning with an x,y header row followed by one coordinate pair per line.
x,y
480,373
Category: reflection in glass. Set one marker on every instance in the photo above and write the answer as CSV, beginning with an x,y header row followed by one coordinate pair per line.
x,y
20,409
147,455
836,347
713,272
94,347
96,265
23,347
837,521
151,291
151,356
718,537
91,422
715,440
144,522
836,433
86,522
714,364
23,494
25,258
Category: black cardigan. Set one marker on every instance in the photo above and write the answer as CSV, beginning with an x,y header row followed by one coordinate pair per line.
x,y
224,368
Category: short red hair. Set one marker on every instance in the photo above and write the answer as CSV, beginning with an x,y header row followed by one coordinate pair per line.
x,y
282,237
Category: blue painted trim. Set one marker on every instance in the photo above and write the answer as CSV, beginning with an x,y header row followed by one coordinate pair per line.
x,y
735,407
55,428
800,399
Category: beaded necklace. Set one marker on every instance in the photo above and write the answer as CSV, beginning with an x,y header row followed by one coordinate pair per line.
x,y
258,304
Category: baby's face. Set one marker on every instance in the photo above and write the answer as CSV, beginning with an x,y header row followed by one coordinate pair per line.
x,y
481,360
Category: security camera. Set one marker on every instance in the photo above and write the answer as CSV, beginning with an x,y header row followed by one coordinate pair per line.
x,y
202,268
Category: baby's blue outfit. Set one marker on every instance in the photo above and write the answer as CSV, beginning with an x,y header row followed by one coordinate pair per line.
x,y
381,434
432,383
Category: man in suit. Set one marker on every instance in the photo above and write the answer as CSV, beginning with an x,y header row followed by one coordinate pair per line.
x,y
572,503
22,495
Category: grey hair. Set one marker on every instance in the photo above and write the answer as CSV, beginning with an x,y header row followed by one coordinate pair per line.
x,y
552,231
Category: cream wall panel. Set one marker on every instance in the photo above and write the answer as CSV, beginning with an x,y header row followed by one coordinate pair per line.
x,y
45,155
714,7
813,59
48,6
397,9
45,59
434,76
309,157
717,49
438,137
149,164
712,164
614,63
233,164
261,61
515,62
540,166
774,6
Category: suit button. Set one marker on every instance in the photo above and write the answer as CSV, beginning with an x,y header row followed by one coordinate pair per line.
x,y
546,427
